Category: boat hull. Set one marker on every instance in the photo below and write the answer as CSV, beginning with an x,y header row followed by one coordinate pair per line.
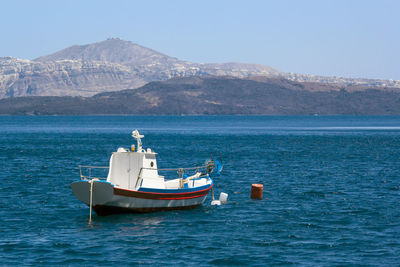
x,y
113,200
104,210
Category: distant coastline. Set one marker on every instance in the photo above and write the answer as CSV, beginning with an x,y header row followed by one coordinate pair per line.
x,y
117,77
217,96
115,64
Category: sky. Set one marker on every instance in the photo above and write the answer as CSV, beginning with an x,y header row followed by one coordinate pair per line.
x,y
331,38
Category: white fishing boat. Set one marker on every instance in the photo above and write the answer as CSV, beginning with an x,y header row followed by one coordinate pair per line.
x,y
133,183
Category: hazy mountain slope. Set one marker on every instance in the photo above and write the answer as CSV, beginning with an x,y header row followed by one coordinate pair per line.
x,y
151,65
63,78
115,64
112,50
213,95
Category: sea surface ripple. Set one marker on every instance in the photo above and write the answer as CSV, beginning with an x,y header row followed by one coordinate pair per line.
x,y
331,191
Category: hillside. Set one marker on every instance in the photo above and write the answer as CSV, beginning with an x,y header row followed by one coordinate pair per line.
x,y
115,64
214,95
112,50
111,65
63,78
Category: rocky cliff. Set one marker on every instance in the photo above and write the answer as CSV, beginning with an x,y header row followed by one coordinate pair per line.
x,y
63,78
115,64
110,65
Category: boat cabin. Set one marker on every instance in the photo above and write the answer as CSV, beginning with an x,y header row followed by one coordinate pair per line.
x,y
129,167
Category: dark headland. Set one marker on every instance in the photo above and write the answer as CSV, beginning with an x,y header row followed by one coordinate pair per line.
x,y
216,95
120,77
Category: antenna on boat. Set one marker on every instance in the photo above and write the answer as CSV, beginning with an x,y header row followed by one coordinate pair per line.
x,y
138,136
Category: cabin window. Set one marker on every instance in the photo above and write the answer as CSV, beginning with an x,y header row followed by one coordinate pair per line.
x,y
151,164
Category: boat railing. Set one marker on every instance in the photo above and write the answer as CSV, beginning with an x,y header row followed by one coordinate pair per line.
x,y
184,169
93,172
180,172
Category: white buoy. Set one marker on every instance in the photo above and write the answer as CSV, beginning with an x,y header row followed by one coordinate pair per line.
x,y
215,202
223,198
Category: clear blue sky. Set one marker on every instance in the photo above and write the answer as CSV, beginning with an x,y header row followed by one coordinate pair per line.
x,y
333,38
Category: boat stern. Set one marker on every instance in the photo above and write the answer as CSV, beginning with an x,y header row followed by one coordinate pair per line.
x,y
102,191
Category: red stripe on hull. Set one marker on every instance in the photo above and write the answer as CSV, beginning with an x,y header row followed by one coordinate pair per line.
x,y
175,198
160,196
103,210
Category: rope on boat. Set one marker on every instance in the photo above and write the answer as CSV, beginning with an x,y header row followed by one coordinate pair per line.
x,y
177,169
193,177
91,199
183,181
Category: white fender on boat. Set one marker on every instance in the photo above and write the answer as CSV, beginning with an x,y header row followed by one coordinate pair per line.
x,y
215,202
223,199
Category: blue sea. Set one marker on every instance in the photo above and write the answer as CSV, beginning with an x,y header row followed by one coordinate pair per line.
x,y
331,191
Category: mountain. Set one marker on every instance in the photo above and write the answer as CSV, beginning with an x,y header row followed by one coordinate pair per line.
x,y
115,64
112,50
216,95
149,63
110,65
62,78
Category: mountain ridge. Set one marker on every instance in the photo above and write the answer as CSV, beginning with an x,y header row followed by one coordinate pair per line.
x,y
214,96
113,50
115,64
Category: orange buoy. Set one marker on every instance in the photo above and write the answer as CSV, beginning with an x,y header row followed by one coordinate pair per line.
x,y
256,191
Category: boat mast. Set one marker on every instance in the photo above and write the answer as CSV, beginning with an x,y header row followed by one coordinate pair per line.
x,y
138,136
